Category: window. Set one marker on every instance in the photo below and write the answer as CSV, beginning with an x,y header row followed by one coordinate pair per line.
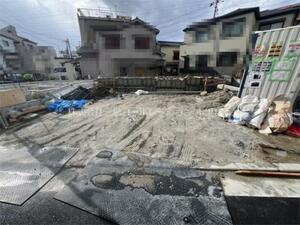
x,y
233,29
139,71
60,70
142,43
112,42
175,55
297,20
270,25
202,36
201,61
227,59
123,71
5,43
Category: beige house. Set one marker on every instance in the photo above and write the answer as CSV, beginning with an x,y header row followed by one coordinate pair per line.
x,y
44,60
113,45
224,43
170,53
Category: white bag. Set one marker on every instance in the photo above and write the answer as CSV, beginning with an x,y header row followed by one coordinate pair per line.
x,y
141,92
248,104
260,113
245,109
229,108
240,117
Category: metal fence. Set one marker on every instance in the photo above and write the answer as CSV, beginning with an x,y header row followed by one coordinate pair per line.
x,y
275,67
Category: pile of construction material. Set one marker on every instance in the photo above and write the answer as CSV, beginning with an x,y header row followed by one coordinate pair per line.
x,y
267,115
76,99
15,108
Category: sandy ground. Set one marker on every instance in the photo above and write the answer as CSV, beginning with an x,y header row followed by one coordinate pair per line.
x,y
183,128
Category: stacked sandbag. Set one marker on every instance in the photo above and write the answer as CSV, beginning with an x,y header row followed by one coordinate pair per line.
x,y
267,115
229,108
245,109
260,113
279,117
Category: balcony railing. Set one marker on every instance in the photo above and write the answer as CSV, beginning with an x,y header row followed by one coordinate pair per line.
x,y
102,13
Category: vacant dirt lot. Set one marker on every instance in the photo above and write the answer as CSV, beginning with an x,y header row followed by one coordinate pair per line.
x,y
177,127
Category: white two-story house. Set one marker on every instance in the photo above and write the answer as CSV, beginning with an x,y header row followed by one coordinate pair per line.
x,y
222,44
114,45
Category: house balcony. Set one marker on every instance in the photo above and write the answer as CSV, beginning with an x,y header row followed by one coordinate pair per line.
x,y
87,50
196,48
132,54
11,56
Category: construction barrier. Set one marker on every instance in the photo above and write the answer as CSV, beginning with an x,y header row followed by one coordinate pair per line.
x,y
187,83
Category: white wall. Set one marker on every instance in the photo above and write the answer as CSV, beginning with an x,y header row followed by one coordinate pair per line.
x,y
168,52
107,62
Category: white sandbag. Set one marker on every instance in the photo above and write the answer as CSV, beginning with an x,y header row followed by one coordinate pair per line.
x,y
245,109
248,104
229,108
240,117
141,92
260,113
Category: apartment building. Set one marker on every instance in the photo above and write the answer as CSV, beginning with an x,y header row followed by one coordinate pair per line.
x,y
114,45
170,54
7,54
222,44
26,56
24,50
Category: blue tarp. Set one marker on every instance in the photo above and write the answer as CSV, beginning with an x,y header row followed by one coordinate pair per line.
x,y
61,106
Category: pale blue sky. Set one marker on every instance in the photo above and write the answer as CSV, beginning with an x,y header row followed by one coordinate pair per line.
x,y
48,22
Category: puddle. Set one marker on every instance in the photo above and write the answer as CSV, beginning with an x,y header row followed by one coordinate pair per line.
x,y
104,155
158,185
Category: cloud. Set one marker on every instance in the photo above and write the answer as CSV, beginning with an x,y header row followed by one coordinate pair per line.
x,y
50,21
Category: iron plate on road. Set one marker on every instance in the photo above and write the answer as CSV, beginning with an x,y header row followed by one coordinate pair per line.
x,y
24,171
134,189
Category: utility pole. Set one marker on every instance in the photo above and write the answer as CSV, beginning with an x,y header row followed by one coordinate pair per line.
x,y
215,3
68,49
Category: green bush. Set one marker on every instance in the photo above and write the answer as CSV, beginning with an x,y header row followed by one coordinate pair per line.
x,y
28,77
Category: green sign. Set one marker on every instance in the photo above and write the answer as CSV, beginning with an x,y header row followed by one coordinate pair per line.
x,y
282,70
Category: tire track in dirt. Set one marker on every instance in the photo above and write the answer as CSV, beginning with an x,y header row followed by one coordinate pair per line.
x,y
135,126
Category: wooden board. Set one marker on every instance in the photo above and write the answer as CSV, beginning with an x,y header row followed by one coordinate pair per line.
x,y
235,185
11,97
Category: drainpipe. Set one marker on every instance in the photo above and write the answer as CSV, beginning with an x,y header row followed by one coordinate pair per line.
x,y
243,81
